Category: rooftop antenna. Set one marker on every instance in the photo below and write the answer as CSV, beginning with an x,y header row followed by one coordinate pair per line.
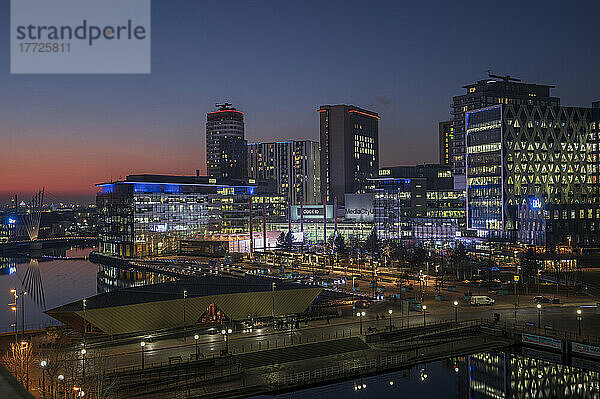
x,y
223,107
506,78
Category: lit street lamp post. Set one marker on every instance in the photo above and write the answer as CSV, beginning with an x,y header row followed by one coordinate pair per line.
x,y
142,345
456,311
83,352
61,383
360,317
43,364
84,302
390,312
184,296
13,307
196,339
539,308
579,320
424,309
225,332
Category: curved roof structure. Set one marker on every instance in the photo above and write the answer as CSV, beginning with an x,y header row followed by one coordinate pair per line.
x,y
162,306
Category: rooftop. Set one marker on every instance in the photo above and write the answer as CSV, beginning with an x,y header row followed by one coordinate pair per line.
x,y
195,287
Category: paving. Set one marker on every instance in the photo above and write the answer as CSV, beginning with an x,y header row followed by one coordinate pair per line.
x,y
300,352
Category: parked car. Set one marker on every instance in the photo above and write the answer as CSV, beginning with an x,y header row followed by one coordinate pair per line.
x,y
541,299
555,300
478,300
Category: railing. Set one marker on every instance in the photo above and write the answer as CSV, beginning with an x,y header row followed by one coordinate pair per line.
x,y
547,331
340,371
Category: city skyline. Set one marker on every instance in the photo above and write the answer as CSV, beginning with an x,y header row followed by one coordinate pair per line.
x,y
68,132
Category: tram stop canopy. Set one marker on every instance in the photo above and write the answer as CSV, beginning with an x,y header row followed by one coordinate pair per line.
x,y
163,306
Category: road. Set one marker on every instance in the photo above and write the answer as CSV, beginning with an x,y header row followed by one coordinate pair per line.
x,y
560,317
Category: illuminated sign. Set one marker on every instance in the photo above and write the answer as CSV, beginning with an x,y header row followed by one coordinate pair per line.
x,y
384,172
311,212
541,341
359,207
536,203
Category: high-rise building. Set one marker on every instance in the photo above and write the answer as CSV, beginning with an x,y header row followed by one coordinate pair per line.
x,y
495,90
294,165
225,143
349,150
533,173
418,203
446,132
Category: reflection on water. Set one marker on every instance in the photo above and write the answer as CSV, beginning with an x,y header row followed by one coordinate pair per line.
x,y
492,375
537,375
56,277
111,278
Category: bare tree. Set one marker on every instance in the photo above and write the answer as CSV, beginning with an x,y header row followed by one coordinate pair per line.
x,y
18,360
101,383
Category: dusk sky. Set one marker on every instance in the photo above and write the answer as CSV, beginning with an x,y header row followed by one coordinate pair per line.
x,y
277,61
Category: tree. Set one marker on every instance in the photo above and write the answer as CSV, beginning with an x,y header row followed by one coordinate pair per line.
x,y
458,257
289,240
529,267
419,255
19,361
281,240
101,382
339,246
372,244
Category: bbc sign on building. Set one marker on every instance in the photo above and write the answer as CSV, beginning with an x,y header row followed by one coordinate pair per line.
x,y
311,212
360,207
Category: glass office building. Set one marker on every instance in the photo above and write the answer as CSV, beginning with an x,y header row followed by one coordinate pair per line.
x,y
532,173
147,215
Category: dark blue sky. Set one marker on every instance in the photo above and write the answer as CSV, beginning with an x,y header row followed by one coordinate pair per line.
x,y
278,61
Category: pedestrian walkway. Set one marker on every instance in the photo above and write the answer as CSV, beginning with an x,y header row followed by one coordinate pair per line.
x,y
300,352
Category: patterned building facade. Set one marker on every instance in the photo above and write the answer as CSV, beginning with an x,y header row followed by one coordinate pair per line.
x,y
532,173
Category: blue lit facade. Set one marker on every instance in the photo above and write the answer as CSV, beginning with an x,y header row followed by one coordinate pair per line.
x,y
147,215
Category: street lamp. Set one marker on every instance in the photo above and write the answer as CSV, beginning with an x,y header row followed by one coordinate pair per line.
x,y
539,308
43,365
184,296
579,320
142,345
13,307
83,352
390,312
84,302
196,339
61,379
455,311
224,333
360,316
424,309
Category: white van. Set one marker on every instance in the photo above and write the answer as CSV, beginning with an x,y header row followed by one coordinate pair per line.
x,y
481,300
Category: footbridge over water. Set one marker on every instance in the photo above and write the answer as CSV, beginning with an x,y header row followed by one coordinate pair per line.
x,y
277,366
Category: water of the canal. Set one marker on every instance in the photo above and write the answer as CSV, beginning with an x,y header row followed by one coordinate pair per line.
x,y
483,375
51,281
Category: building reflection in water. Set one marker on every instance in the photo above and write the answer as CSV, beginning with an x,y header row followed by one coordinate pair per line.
x,y
112,278
510,375
7,266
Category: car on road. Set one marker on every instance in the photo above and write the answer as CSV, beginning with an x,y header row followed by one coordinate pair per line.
x,y
478,300
541,299
362,304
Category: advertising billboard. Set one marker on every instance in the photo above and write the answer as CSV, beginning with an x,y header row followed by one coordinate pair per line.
x,y
359,207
